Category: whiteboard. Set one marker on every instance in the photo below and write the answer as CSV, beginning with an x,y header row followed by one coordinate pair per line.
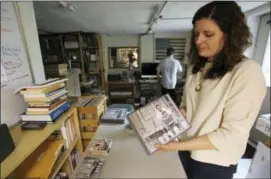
x,y
15,70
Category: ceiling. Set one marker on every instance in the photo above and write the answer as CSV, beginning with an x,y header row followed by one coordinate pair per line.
x,y
119,17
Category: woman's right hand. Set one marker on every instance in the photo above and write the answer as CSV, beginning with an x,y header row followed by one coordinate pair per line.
x,y
183,111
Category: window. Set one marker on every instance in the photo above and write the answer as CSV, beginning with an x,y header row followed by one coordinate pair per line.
x,y
123,57
161,45
266,62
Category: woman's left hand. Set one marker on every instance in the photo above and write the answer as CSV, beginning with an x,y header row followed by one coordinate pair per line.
x,y
172,146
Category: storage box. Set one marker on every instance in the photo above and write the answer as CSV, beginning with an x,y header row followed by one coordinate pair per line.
x,y
263,124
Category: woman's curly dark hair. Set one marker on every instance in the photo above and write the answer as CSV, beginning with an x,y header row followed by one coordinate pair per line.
x,y
232,22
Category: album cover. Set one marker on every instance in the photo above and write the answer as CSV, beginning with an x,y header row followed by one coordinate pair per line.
x,y
158,122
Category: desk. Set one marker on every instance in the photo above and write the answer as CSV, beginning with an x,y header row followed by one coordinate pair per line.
x,y
121,91
127,158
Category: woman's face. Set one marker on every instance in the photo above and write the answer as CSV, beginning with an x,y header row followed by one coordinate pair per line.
x,y
209,39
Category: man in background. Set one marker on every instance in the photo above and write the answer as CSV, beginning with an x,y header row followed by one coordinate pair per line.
x,y
168,69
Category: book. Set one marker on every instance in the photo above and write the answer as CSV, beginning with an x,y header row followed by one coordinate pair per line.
x,y
47,108
158,122
83,101
114,115
72,128
43,90
41,162
28,94
43,110
68,128
49,117
65,136
46,104
75,158
68,132
99,147
46,99
42,85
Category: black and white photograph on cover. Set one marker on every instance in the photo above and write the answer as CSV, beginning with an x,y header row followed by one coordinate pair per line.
x,y
158,122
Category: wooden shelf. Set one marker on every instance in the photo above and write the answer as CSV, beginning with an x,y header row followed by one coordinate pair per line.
x,y
61,161
92,47
93,72
87,42
27,141
63,158
74,48
121,96
90,114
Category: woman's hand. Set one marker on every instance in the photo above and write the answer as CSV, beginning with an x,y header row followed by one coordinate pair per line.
x,y
172,146
195,143
183,111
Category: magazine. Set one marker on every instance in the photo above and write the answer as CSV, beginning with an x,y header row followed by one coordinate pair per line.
x,y
158,122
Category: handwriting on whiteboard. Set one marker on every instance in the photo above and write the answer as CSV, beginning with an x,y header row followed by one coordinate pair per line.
x,y
10,64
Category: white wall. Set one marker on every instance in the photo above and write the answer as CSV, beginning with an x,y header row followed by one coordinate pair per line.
x,y
258,56
147,48
253,23
28,20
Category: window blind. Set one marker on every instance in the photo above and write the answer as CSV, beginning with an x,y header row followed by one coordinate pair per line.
x,y
161,45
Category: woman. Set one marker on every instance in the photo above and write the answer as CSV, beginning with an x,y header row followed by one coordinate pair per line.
x,y
223,93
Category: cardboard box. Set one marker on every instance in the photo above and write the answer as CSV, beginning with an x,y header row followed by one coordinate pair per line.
x,y
263,124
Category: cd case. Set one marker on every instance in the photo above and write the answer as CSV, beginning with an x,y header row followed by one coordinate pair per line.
x,y
158,122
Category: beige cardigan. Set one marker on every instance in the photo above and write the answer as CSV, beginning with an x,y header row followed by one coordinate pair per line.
x,y
225,110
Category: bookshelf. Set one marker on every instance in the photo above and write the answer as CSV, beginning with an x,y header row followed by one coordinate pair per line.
x,y
89,116
63,158
81,50
28,141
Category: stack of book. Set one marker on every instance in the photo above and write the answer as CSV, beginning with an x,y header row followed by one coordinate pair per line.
x,y
46,101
